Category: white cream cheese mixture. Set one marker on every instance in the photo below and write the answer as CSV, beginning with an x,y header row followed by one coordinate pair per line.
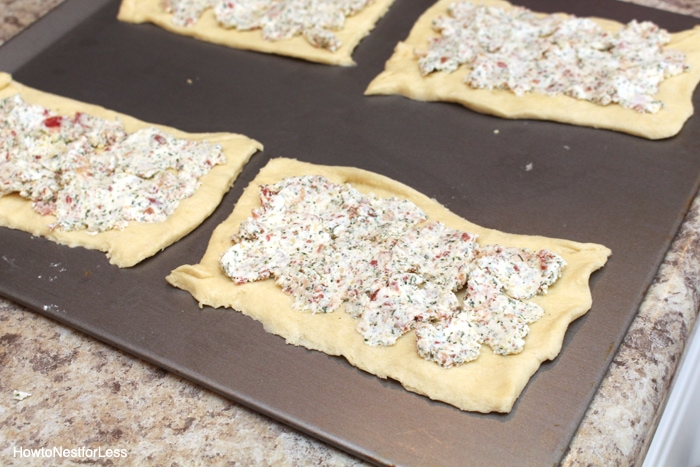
x,y
91,174
521,51
315,20
392,268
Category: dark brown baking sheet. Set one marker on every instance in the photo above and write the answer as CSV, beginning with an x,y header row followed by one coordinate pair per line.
x,y
584,184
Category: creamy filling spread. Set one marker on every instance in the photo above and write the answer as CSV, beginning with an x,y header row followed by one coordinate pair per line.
x,y
521,51
91,174
393,269
315,20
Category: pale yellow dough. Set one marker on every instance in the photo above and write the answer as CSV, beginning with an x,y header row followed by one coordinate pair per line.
x,y
208,29
491,383
138,241
402,76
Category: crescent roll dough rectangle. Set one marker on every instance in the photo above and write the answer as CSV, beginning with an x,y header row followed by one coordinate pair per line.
x,y
490,383
208,29
402,76
139,240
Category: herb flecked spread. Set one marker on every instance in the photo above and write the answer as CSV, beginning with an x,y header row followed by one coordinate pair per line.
x,y
391,268
91,174
315,20
521,51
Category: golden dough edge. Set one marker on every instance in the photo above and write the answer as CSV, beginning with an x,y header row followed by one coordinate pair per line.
x,y
401,77
207,29
138,241
490,384
129,13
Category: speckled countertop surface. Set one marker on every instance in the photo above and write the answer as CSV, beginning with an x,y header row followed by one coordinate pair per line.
x,y
87,395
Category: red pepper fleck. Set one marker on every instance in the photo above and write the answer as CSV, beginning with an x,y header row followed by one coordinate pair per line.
x,y
53,122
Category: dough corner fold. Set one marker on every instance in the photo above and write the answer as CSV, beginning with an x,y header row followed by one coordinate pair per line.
x,y
401,76
138,240
491,383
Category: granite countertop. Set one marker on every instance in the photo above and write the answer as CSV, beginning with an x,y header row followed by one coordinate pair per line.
x,y
87,394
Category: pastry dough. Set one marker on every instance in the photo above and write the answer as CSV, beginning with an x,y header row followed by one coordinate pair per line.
x,y
209,30
137,241
402,76
490,383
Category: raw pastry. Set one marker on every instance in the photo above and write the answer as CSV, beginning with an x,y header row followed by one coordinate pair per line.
x,y
402,76
208,29
490,383
139,240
